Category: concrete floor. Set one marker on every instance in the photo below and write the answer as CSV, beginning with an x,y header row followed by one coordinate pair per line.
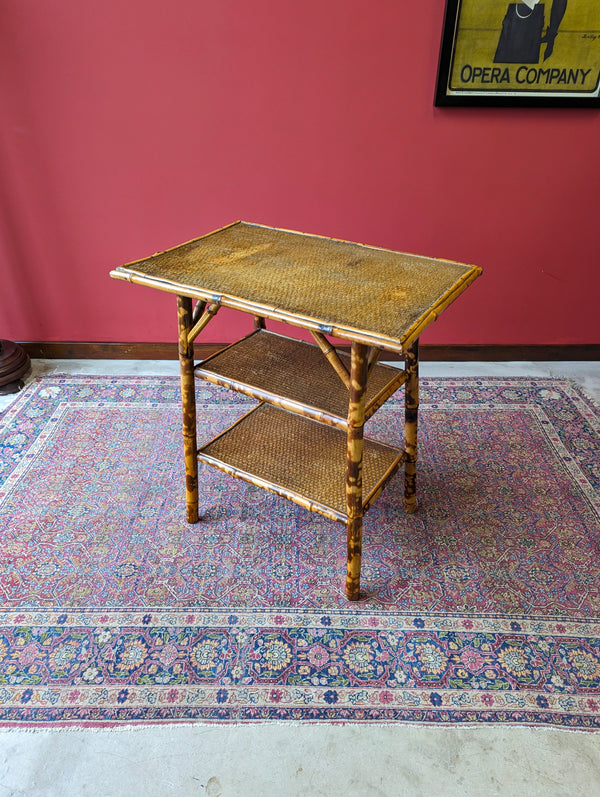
x,y
306,760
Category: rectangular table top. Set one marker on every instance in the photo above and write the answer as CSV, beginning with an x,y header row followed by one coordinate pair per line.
x,y
355,292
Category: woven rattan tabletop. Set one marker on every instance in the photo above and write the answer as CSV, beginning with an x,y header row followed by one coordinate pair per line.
x,y
353,291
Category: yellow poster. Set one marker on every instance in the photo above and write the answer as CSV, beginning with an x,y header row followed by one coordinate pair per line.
x,y
539,51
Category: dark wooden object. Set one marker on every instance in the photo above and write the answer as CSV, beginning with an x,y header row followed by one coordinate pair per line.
x,y
314,399
14,364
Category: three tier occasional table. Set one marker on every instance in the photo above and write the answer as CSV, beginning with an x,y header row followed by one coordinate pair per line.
x,y
304,440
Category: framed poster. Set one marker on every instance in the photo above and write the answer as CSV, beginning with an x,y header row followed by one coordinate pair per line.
x,y
529,52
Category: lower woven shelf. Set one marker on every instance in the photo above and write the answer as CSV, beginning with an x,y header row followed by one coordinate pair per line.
x,y
299,459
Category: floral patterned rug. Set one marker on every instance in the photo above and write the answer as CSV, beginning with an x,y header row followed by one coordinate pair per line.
x,y
483,607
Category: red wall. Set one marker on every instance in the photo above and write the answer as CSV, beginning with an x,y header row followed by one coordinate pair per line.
x,y
129,127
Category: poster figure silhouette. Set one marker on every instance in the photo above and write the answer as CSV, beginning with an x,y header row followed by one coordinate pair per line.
x,y
522,33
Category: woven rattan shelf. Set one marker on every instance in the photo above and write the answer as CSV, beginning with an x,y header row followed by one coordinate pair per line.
x,y
295,375
305,441
299,460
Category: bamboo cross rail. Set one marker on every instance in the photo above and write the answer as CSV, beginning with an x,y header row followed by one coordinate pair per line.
x,y
198,311
374,353
332,356
207,316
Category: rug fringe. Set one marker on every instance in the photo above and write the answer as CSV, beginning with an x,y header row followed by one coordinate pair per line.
x,y
210,724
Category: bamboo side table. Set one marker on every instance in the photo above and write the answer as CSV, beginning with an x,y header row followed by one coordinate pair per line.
x,y
313,400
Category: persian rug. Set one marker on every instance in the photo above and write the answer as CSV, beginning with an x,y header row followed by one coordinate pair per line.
x,y
483,607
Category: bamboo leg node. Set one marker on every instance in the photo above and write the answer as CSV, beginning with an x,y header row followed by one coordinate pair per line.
x,y
411,412
188,402
354,503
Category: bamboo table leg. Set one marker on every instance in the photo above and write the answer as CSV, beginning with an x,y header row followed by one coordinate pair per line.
x,y
188,401
356,421
411,411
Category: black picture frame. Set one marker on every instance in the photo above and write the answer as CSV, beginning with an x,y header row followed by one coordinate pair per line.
x,y
477,75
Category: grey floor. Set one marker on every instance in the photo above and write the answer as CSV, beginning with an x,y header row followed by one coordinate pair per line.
x,y
305,760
